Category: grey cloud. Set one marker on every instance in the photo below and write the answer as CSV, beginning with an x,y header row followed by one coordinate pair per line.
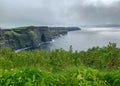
x,y
96,14
54,12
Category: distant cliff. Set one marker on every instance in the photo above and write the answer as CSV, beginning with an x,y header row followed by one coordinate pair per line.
x,y
30,36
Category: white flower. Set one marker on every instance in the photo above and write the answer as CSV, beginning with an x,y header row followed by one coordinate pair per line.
x,y
79,77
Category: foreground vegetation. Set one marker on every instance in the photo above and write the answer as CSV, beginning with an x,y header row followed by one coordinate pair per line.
x,y
94,67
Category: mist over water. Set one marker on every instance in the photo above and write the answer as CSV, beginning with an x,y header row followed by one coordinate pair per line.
x,y
84,39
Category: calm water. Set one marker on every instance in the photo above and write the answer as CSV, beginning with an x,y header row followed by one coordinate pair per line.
x,y
85,38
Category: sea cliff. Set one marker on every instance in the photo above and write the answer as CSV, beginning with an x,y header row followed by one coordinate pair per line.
x,y
22,37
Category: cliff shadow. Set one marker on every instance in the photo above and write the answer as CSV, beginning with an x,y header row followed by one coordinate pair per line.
x,y
43,38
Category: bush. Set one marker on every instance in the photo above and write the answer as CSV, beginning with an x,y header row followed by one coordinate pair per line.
x,y
95,67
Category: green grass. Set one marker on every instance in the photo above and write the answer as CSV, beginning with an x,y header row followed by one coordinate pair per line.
x,y
12,33
94,67
19,28
70,77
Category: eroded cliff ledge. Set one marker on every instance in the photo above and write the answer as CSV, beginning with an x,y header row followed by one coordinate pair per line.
x,y
30,36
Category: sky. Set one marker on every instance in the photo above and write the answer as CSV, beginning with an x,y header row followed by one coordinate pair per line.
x,y
58,12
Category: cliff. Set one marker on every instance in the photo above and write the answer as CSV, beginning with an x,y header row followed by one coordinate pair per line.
x,y
30,36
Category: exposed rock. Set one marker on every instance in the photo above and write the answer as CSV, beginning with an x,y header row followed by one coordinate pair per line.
x,y
30,36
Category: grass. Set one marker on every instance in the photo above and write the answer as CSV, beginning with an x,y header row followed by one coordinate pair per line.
x,y
19,28
70,77
94,67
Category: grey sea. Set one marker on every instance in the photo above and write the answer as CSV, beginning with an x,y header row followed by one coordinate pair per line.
x,y
85,39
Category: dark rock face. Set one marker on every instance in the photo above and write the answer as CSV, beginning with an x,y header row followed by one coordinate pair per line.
x,y
30,36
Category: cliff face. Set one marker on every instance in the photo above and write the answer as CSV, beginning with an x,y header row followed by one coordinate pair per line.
x,y
30,36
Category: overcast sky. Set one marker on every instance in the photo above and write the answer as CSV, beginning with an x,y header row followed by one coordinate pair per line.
x,y
59,12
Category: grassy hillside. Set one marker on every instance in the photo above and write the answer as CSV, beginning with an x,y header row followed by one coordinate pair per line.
x,y
94,67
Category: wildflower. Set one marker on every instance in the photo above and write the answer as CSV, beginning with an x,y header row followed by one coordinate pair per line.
x,y
79,77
